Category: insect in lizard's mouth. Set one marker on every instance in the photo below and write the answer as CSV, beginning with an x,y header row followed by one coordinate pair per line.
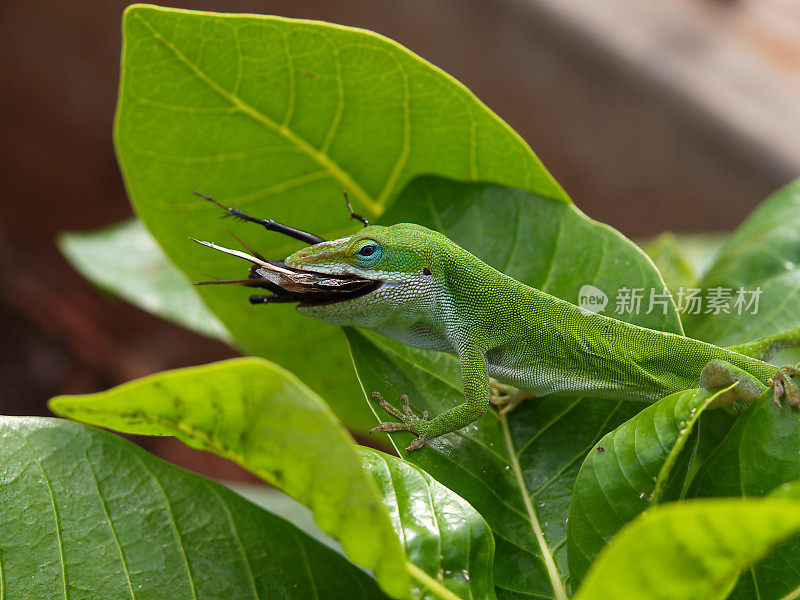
x,y
287,284
309,288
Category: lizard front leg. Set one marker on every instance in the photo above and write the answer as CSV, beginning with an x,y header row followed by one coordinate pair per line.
x,y
475,383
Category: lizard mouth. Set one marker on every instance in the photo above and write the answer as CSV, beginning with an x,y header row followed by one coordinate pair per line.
x,y
308,288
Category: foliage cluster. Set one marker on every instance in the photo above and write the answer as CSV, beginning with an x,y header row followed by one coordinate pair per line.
x,y
564,496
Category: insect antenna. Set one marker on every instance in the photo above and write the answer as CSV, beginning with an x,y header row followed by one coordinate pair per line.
x,y
246,247
353,215
268,224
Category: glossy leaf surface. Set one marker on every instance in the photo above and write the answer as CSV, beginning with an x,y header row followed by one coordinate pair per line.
x,y
689,551
88,515
261,417
643,462
442,535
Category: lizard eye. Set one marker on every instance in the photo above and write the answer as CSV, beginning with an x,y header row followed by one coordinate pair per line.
x,y
369,252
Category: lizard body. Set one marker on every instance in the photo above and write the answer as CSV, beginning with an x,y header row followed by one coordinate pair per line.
x,y
433,294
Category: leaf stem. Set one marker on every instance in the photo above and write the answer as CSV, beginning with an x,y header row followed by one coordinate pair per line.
x,y
429,582
683,436
552,570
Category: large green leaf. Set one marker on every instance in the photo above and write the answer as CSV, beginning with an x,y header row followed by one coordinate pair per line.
x,y
763,253
263,418
277,116
87,515
760,453
444,537
691,550
388,515
125,259
633,467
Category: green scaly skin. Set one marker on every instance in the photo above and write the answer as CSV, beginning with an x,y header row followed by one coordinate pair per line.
x,y
436,295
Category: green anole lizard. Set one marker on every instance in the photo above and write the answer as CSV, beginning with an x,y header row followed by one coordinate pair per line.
x,y
416,286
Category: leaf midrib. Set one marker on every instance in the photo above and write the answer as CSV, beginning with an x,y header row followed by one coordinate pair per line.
x,y
56,516
336,171
552,571
114,534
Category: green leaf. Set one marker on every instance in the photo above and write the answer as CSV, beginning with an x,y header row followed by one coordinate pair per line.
x,y
277,116
444,537
267,421
760,453
89,515
439,530
689,550
789,490
630,469
261,417
546,244
763,253
682,259
673,265
125,260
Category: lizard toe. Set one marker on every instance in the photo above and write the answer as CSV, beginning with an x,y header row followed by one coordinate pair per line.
x,y
784,385
416,444
407,420
387,406
392,427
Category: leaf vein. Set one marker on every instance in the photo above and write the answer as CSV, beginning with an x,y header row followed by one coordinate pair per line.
x,y
55,515
239,542
174,524
319,157
114,534
533,519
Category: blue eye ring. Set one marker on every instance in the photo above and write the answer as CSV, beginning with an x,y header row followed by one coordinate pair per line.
x,y
369,252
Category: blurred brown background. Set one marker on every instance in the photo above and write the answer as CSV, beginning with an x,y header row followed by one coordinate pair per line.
x,y
678,114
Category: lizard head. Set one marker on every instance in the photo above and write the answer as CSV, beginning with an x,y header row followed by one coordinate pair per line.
x,y
401,258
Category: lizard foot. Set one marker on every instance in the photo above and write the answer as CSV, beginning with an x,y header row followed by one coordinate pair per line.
x,y
501,394
515,401
782,384
505,396
408,421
